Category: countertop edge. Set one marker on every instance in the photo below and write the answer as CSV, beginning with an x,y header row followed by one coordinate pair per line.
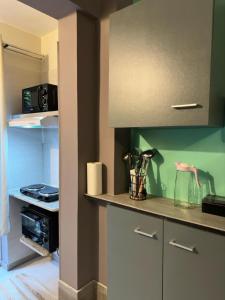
x,y
113,199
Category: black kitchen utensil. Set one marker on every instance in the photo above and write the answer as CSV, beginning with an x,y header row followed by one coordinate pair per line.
x,y
150,152
128,157
145,158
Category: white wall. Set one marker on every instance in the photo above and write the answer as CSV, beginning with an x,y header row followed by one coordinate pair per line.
x,y
50,157
49,73
25,157
20,72
50,65
46,45
31,152
24,146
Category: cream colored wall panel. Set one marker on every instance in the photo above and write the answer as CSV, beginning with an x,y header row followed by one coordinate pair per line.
x,y
49,72
20,38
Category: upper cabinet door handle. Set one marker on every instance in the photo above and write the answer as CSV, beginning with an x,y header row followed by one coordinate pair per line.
x,y
184,106
175,244
149,235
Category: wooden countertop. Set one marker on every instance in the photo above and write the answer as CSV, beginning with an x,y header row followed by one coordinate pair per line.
x,y
164,207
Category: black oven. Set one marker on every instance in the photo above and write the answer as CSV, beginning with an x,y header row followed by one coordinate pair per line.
x,y
40,98
41,226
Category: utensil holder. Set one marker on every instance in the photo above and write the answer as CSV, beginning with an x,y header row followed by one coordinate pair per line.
x,y
138,187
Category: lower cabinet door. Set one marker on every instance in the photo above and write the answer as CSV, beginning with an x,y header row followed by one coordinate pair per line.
x,y
194,263
135,243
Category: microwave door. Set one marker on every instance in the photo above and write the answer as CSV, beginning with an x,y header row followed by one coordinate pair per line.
x,y
31,98
36,99
29,218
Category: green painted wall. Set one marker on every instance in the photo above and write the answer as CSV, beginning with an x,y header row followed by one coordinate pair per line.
x,y
202,147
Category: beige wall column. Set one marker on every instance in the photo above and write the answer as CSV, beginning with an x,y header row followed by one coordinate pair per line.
x,y
88,106
68,100
88,239
106,134
106,147
78,90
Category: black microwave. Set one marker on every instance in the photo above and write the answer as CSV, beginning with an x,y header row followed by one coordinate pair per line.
x,y
41,226
40,98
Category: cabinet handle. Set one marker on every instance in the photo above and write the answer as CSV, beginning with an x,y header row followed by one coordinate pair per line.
x,y
175,244
149,235
183,106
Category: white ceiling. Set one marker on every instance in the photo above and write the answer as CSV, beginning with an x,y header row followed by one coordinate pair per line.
x,y
21,16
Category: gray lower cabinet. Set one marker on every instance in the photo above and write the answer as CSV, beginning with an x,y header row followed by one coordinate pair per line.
x,y
194,264
151,258
134,255
167,64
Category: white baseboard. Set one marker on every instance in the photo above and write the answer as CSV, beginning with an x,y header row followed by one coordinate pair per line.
x,y
101,291
92,291
66,292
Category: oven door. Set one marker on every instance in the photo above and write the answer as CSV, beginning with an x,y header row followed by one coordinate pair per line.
x,y
31,225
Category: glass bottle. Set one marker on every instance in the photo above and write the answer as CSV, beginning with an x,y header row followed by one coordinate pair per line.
x,y
187,185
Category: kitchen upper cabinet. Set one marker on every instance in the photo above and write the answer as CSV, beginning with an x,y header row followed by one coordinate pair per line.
x,y
167,64
194,263
135,243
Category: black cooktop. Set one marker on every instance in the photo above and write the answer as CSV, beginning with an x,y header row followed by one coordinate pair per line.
x,y
41,192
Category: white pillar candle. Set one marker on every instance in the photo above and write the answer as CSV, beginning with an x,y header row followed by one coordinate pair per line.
x,y
94,178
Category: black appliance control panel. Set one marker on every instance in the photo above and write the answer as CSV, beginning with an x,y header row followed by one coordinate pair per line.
x,y
214,204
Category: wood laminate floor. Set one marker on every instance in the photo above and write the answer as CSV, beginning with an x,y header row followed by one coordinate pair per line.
x,y
35,280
